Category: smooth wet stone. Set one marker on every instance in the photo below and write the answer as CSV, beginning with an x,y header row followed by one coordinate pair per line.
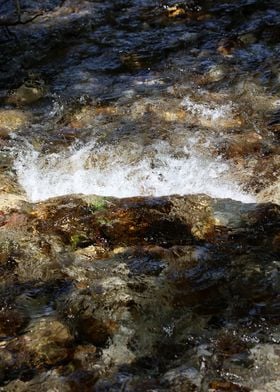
x,y
272,386
83,310
26,94
53,381
7,247
91,253
216,73
145,266
129,301
89,115
6,362
266,359
127,221
48,341
175,11
32,258
248,38
163,221
12,120
244,145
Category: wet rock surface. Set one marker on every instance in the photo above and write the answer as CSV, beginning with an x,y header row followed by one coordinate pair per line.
x,y
104,301
145,99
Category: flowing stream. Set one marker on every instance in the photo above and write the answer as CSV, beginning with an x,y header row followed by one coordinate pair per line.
x,y
110,171
175,99
104,101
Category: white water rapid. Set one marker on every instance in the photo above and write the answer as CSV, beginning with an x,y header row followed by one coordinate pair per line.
x,y
124,172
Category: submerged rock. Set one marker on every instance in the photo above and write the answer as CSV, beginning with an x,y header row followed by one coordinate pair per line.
x,y
113,222
165,221
48,341
12,120
26,94
244,145
137,284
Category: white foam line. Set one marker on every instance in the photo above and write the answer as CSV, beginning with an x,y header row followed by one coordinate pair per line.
x,y
108,171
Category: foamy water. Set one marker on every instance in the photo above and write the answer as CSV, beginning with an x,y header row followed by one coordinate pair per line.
x,y
121,172
213,113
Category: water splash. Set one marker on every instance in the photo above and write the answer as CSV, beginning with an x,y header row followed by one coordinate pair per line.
x,y
124,172
207,111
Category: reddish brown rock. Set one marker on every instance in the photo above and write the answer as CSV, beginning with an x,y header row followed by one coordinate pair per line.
x,y
242,146
221,385
228,45
48,341
130,221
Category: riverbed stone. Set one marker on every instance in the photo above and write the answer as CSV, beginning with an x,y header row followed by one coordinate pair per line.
x,y
270,194
244,145
123,287
12,120
27,93
127,221
49,341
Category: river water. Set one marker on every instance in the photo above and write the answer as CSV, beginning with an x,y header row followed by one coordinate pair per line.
x,y
148,98
141,98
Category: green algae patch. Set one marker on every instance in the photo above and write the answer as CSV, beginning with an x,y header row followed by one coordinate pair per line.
x,y
78,241
97,203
